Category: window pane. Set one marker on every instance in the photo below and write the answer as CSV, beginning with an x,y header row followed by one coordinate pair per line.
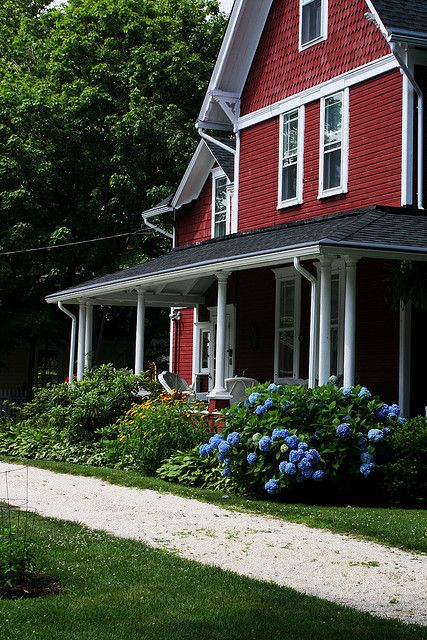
x,y
289,182
311,21
290,134
335,283
220,227
334,351
220,194
286,354
287,304
290,156
333,120
204,350
332,169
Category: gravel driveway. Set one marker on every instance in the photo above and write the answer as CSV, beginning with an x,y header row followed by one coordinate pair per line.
x,y
363,575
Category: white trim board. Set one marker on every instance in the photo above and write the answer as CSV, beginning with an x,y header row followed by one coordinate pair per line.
x,y
335,85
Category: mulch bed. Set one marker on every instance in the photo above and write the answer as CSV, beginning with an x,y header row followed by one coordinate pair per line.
x,y
37,586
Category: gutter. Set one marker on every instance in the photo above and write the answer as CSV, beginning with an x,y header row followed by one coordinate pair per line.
x,y
158,229
72,340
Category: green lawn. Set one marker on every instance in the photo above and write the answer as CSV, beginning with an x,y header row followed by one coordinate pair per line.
x,y
404,528
121,590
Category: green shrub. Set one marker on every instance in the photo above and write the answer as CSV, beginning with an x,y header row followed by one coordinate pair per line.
x,y
405,474
81,409
191,469
317,442
17,563
153,430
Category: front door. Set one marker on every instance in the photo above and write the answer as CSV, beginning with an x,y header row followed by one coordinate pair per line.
x,y
205,360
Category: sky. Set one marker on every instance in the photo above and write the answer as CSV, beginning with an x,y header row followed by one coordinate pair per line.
x,y
226,5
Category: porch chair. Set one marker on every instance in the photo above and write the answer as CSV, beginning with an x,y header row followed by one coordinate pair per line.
x,y
294,381
174,382
237,386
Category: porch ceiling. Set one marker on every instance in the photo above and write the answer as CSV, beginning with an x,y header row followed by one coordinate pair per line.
x,y
181,277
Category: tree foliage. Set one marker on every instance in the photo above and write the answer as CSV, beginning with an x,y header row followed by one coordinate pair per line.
x,y
97,106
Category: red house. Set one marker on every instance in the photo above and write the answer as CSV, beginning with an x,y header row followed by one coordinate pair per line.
x,y
303,198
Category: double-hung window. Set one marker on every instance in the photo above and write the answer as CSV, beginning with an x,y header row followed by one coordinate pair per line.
x,y
313,22
288,301
333,167
220,226
291,158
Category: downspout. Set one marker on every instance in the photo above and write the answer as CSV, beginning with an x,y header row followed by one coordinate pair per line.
x,y
72,341
158,229
313,321
216,142
420,109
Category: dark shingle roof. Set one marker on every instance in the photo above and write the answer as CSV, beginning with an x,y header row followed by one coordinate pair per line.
x,y
223,157
403,16
381,228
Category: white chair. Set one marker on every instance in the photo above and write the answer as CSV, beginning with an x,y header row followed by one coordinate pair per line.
x,y
294,381
237,386
174,382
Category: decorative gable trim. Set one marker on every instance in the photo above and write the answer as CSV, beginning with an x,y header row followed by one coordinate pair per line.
x,y
356,76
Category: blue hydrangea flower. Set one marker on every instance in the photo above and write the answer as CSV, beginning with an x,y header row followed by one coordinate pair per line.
x,y
273,387
260,410
304,464
288,468
386,431
366,457
393,411
303,446
318,475
224,448
272,486
364,393
269,404
343,430
225,472
313,455
279,434
346,391
215,440
376,435
383,412
251,458
347,418
292,442
307,473
205,450
367,468
254,397
362,443
402,420
286,405
296,455
265,444
233,439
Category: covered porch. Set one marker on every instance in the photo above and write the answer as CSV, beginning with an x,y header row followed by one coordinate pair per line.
x,y
303,300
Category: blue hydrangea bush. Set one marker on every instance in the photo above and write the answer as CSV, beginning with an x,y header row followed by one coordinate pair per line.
x,y
283,438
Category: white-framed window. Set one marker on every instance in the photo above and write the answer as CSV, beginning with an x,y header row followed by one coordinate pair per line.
x,y
291,158
220,204
333,163
288,316
313,22
337,317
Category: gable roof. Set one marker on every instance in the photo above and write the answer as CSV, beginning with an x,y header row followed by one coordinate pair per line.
x,y
385,229
403,17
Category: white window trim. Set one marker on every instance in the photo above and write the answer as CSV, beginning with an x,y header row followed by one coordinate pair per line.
x,y
281,204
343,187
219,173
283,274
323,25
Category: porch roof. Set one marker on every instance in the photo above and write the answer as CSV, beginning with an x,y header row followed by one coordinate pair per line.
x,y
184,274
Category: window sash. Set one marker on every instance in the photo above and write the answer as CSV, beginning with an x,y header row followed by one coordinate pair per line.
x,y
287,326
311,21
334,117
291,158
219,206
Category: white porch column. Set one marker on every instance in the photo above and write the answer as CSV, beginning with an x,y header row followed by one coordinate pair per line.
x,y
350,322
88,336
219,390
81,341
325,320
140,329
405,359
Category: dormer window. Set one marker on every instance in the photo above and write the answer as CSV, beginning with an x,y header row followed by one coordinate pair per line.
x,y
313,22
220,217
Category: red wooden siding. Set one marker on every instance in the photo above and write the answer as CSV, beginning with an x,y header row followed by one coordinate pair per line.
x,y
280,70
374,174
193,221
182,354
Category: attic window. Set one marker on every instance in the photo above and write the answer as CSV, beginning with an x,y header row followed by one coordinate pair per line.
x,y
220,226
313,22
